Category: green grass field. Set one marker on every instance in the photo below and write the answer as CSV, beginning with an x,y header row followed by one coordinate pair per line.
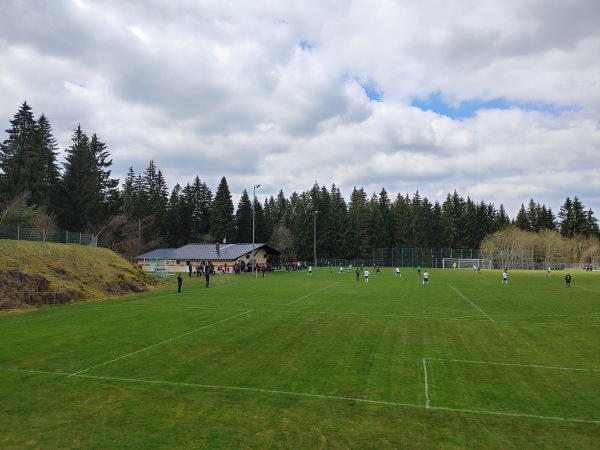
x,y
292,361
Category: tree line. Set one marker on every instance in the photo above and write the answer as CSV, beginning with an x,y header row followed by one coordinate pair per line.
x,y
142,213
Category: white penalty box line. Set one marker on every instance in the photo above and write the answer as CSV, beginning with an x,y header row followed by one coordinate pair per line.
x,y
507,364
313,293
473,304
159,343
305,395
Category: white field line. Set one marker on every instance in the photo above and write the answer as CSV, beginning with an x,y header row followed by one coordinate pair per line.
x,y
313,293
476,318
480,310
160,343
426,385
587,289
533,366
307,395
520,415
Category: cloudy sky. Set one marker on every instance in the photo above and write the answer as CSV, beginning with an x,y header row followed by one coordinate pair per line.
x,y
499,100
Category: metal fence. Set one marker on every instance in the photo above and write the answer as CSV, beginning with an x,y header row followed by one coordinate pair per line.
x,y
432,258
19,233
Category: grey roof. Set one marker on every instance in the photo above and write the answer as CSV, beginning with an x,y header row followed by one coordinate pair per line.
x,y
207,252
159,253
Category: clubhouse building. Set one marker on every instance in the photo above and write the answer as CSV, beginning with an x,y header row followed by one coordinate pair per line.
x,y
224,256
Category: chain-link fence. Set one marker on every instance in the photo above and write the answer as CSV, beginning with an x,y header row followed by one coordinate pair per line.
x,y
432,258
18,233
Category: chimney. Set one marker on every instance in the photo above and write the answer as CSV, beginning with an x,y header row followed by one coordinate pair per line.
x,y
217,247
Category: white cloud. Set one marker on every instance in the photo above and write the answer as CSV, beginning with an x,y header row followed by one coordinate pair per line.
x,y
270,92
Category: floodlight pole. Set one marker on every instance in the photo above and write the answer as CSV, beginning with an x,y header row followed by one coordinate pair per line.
x,y
253,261
315,237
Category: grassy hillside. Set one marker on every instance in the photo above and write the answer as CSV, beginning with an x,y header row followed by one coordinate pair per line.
x,y
38,273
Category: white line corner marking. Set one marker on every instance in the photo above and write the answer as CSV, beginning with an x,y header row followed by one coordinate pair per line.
x,y
160,343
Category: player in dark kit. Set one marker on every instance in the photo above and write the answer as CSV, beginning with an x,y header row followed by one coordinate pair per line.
x,y
568,280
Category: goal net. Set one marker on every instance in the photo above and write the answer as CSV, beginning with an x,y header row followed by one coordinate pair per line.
x,y
466,263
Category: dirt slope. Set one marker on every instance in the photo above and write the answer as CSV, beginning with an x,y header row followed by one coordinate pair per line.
x,y
40,273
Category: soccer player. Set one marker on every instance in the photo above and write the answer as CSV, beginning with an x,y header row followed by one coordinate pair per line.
x,y
357,274
309,271
366,275
207,276
548,271
504,277
568,280
179,283
426,278
398,274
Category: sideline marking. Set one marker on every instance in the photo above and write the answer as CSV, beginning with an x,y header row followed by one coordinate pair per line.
x,y
304,394
160,343
480,310
426,385
313,293
536,366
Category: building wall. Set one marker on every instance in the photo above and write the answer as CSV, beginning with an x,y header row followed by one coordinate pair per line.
x,y
177,266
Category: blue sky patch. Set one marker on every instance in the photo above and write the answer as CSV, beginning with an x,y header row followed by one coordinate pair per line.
x,y
305,45
372,93
467,109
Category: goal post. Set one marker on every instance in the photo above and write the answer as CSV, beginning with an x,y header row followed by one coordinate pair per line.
x,y
467,263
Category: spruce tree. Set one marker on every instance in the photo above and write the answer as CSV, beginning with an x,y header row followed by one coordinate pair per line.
x,y
402,221
339,225
360,224
80,183
49,196
243,218
222,221
22,159
521,221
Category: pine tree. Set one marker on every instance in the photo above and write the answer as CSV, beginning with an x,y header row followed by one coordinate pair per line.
x,y
453,216
28,160
243,218
47,196
591,224
80,185
222,221
521,221
387,219
402,221
420,214
502,220
573,218
111,200
260,225
270,210
360,224
202,200
339,226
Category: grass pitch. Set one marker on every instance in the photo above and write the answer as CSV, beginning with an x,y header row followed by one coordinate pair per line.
x,y
292,361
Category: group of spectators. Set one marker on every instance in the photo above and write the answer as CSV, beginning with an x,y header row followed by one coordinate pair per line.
x,y
296,265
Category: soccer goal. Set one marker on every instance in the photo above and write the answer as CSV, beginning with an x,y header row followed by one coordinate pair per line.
x,y
466,263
